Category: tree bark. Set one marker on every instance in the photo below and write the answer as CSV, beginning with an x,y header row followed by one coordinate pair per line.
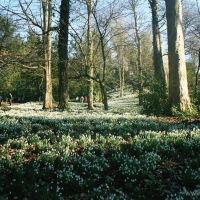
x,y
47,21
139,51
63,93
104,95
197,77
121,77
157,55
90,68
178,86
103,80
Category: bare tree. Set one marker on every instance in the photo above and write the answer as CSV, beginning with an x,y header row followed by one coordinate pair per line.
x,y
103,23
120,46
94,47
191,21
133,4
41,26
83,39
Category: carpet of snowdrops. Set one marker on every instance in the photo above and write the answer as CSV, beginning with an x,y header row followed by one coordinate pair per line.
x,y
113,155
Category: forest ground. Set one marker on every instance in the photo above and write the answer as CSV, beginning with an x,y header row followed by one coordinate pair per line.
x,y
115,154
126,105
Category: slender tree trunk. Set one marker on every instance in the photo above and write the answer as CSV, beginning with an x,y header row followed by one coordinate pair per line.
x,y
196,77
178,86
140,71
121,77
90,69
63,94
104,95
103,80
157,56
47,20
103,87
139,49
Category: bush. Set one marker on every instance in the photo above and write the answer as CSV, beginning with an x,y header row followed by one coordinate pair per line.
x,y
155,100
187,114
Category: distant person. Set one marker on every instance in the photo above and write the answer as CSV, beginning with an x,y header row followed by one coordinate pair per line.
x,y
1,99
10,99
86,99
77,99
82,99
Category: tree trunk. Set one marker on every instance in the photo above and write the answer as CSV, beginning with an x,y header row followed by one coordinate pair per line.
x,y
139,49
63,94
178,86
104,95
90,69
196,77
121,77
157,56
90,92
102,82
47,21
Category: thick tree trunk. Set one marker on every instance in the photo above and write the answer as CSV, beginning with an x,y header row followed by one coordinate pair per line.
x,y
47,20
157,56
178,86
63,94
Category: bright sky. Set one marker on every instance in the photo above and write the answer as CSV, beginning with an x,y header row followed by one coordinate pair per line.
x,y
144,14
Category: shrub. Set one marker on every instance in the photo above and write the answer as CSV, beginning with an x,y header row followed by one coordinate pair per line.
x,y
154,100
187,114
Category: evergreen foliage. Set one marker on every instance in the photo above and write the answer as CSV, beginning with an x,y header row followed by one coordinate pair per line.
x,y
155,100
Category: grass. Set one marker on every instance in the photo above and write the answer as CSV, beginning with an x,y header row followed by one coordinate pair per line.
x,y
81,154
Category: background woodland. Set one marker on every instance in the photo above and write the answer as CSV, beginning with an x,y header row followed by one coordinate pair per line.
x,y
58,50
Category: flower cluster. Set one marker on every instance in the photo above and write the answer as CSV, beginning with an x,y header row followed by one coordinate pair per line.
x,y
99,155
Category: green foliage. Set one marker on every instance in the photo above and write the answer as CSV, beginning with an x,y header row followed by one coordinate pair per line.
x,y
155,100
196,101
187,114
128,158
7,30
10,46
191,77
